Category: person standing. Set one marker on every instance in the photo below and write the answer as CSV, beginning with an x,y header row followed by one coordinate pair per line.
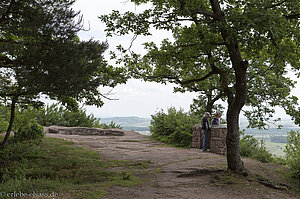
x,y
205,130
217,118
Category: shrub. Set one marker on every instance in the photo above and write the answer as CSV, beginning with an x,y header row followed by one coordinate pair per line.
x,y
111,125
58,115
31,131
174,127
292,150
23,117
181,139
251,147
4,115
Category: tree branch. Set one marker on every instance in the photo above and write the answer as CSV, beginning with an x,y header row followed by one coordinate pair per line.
x,y
293,16
277,4
205,13
5,61
196,79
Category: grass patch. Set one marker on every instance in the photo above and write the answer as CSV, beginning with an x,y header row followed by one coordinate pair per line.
x,y
55,165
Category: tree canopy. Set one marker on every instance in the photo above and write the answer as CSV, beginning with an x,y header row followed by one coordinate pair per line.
x,y
241,50
40,53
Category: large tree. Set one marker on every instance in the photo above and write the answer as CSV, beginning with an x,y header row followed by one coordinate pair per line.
x,y
40,53
245,46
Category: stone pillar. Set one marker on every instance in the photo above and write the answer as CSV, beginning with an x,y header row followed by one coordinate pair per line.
x,y
196,138
216,142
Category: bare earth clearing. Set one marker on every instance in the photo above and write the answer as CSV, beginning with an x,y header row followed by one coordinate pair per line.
x,y
178,173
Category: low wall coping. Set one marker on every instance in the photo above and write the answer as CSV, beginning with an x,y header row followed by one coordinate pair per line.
x,y
220,126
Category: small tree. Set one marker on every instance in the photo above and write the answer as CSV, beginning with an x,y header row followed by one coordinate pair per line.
x,y
41,54
292,150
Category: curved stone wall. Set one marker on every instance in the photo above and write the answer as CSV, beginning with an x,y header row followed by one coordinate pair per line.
x,y
83,131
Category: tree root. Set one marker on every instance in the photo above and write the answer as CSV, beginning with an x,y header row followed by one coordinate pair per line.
x,y
268,183
200,172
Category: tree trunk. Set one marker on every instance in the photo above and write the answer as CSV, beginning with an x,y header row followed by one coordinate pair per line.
x,y
209,106
237,96
11,121
234,161
236,104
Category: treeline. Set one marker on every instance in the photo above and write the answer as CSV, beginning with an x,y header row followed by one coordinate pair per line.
x,y
29,121
175,128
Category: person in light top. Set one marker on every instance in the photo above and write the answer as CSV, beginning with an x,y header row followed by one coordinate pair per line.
x,y
205,130
217,119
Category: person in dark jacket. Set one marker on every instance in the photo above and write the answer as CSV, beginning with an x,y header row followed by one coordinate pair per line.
x,y
205,130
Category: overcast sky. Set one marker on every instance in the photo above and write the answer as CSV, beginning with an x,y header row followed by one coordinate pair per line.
x,y
136,98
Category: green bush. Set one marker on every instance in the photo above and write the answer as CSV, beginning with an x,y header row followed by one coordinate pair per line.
x,y
23,117
251,147
181,139
31,131
4,115
111,125
47,116
174,127
60,116
292,150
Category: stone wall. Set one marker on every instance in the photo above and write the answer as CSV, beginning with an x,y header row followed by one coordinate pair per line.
x,y
83,131
217,138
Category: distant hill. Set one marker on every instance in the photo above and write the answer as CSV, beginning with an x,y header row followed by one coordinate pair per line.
x,y
129,123
287,125
142,124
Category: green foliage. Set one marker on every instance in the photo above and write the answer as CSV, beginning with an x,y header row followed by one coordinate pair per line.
x,y
174,127
60,116
111,125
203,104
25,126
24,116
31,131
251,147
264,34
181,138
40,53
239,50
292,151
56,114
4,115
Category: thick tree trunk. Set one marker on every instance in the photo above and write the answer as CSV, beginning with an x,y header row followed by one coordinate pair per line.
x,y
236,96
209,107
236,104
234,161
11,121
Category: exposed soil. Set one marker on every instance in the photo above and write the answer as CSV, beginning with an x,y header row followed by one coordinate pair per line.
x,y
180,173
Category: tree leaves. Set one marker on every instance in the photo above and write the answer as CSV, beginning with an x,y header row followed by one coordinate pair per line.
x,y
39,44
203,43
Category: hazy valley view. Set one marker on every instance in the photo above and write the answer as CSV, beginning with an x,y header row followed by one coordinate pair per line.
x,y
274,138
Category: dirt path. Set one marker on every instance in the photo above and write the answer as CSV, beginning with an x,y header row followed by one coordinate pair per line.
x,y
176,173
